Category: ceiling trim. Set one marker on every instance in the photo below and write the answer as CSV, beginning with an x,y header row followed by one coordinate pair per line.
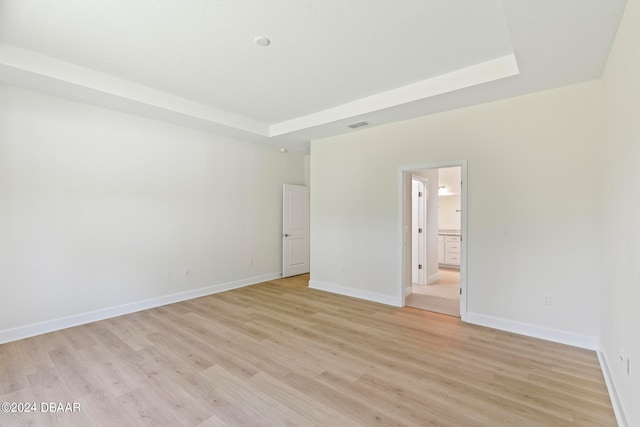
x,y
496,69
35,71
66,72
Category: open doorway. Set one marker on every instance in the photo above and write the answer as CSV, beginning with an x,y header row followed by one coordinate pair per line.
x,y
434,218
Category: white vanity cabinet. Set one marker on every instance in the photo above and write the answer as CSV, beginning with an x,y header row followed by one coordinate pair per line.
x,y
449,250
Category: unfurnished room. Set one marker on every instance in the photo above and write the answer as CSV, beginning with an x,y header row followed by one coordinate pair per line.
x,y
319,213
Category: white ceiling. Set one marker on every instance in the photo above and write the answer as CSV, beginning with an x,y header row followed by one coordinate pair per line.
x,y
330,63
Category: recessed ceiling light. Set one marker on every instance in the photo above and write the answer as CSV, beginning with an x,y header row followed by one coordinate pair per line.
x,y
262,41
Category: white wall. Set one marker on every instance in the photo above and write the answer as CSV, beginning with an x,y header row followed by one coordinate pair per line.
x,y
621,211
96,206
450,212
539,233
451,203
307,170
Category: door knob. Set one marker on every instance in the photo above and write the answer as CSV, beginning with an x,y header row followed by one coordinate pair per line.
x,y
287,235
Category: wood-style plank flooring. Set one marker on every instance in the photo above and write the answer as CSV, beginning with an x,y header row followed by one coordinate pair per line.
x,y
278,353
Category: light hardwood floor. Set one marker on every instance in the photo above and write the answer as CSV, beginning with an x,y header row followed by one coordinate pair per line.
x,y
278,353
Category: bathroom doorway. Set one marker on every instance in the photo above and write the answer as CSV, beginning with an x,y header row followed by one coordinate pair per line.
x,y
433,248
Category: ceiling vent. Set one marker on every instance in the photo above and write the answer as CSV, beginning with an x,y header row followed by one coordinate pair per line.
x,y
358,125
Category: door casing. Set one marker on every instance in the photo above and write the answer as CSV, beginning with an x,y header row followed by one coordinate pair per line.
x,y
404,250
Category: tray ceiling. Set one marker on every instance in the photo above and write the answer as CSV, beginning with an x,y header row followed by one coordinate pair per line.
x,y
329,63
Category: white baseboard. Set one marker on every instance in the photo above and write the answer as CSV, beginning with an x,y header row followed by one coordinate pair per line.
x,y
408,290
611,387
34,329
549,334
356,293
433,278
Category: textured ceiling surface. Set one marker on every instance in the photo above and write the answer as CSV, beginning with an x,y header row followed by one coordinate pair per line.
x,y
329,62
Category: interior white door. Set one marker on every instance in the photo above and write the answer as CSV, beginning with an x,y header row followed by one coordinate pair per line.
x,y
295,230
418,229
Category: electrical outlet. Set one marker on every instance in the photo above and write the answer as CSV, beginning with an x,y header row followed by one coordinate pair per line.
x,y
546,298
169,275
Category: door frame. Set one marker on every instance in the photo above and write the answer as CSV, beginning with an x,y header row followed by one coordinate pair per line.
x,y
403,205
